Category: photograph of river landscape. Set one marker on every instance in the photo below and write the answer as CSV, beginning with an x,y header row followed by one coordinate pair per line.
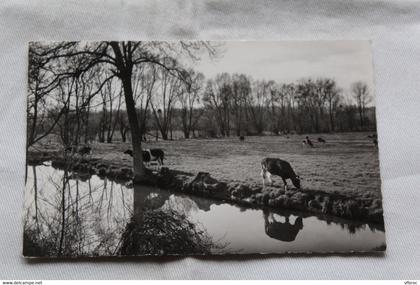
x,y
140,148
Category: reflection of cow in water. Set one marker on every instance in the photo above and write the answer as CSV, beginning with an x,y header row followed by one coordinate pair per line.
x,y
284,231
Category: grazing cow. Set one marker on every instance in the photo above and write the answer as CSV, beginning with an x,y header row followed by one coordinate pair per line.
x,y
146,155
321,140
85,150
68,149
275,166
241,138
154,154
309,142
129,152
81,150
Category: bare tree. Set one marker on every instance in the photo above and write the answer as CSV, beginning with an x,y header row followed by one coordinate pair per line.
x,y
41,83
241,91
257,104
217,98
285,97
308,106
332,97
271,100
65,117
164,100
362,96
189,97
145,83
110,94
76,58
123,126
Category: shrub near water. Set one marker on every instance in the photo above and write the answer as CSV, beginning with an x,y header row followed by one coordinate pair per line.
x,y
164,233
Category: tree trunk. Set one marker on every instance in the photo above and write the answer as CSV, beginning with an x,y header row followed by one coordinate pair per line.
x,y
123,136
34,121
125,69
63,214
139,171
66,128
87,124
332,119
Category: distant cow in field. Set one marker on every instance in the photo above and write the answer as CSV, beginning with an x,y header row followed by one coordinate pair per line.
x,y
321,140
146,155
241,138
129,152
275,166
154,154
83,150
309,142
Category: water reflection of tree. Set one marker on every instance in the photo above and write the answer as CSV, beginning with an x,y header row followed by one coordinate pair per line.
x,y
67,221
158,230
36,198
352,227
70,217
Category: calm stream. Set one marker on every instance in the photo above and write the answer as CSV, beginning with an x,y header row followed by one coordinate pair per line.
x,y
89,216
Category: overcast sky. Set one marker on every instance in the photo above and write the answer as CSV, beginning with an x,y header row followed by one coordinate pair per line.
x,y
289,61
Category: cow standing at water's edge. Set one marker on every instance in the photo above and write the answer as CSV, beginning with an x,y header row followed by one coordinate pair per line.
x,y
150,155
275,166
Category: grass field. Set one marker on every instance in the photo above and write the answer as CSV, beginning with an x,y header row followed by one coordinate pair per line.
x,y
345,163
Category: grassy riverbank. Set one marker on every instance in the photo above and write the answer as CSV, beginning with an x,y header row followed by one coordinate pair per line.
x,y
340,177
348,163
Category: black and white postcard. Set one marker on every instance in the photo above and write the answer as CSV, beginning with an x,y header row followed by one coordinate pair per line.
x,y
201,148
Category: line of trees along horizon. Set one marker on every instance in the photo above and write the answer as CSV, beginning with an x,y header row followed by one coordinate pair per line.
x,y
238,106
92,91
